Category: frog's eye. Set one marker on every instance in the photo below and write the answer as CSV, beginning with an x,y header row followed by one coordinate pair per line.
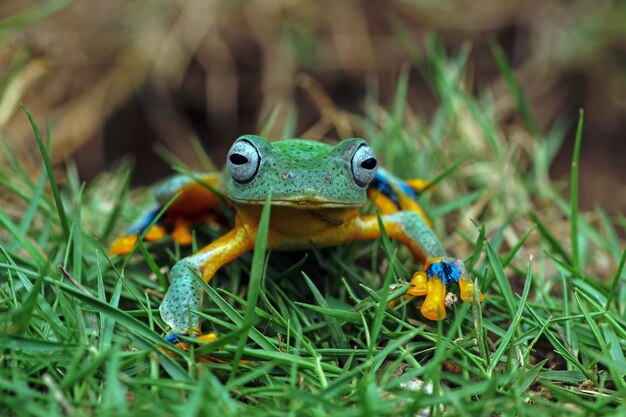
x,y
364,165
243,161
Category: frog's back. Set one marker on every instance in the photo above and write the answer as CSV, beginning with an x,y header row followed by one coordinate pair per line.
x,y
301,150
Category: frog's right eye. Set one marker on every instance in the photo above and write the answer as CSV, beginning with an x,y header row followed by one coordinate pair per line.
x,y
243,161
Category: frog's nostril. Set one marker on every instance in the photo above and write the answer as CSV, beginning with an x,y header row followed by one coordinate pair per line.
x,y
286,175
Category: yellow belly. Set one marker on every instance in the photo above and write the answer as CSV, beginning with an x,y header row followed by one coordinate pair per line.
x,y
296,229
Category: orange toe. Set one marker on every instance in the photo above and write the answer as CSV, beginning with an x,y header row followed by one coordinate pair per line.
x,y
155,232
417,184
467,290
123,245
182,233
208,338
418,285
433,307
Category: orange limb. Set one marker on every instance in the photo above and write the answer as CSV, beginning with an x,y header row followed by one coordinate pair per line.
x,y
433,307
417,184
123,245
418,285
182,232
155,232
195,198
466,287
384,203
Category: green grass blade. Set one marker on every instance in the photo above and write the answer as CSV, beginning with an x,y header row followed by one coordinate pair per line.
x,y
257,272
503,282
616,374
53,183
337,335
18,21
552,241
574,194
258,337
344,315
616,279
117,207
504,343
516,89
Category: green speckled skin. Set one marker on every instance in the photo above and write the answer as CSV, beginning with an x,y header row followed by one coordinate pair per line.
x,y
418,231
302,171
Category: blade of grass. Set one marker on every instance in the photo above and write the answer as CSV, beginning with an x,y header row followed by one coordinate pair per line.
x,y
616,280
235,317
28,245
509,256
503,282
12,341
35,200
516,89
118,205
31,15
257,272
344,315
337,336
550,239
616,375
574,194
517,316
53,183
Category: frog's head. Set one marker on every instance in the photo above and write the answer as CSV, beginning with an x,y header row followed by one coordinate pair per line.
x,y
300,173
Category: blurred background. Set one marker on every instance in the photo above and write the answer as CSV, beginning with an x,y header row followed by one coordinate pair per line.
x,y
117,77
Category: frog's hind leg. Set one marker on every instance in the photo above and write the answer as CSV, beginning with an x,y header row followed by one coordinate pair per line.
x,y
146,225
194,200
391,194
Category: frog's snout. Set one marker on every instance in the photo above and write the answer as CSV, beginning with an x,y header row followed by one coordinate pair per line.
x,y
326,177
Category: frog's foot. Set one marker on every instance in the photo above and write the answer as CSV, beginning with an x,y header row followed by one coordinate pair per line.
x,y
182,232
180,343
438,275
125,244
417,184
154,233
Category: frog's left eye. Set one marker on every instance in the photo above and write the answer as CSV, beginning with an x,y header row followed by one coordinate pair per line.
x,y
364,165
243,161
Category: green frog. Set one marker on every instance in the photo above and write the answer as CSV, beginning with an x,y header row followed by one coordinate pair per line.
x,y
317,191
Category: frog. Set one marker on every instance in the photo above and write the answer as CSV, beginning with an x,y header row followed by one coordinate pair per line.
x,y
317,192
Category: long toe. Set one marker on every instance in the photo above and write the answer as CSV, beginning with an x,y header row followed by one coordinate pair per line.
x,y
123,245
467,290
433,307
418,285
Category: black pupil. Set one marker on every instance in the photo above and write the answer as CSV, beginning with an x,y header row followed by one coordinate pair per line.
x,y
369,163
238,159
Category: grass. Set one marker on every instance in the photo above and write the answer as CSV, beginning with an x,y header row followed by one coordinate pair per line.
x,y
80,332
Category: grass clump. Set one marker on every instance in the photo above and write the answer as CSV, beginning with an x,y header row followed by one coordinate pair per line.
x,y
80,333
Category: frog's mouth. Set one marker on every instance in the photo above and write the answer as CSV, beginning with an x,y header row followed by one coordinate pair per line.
x,y
300,203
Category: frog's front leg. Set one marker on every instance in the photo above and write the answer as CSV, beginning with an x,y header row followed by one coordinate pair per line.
x,y
439,271
185,292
